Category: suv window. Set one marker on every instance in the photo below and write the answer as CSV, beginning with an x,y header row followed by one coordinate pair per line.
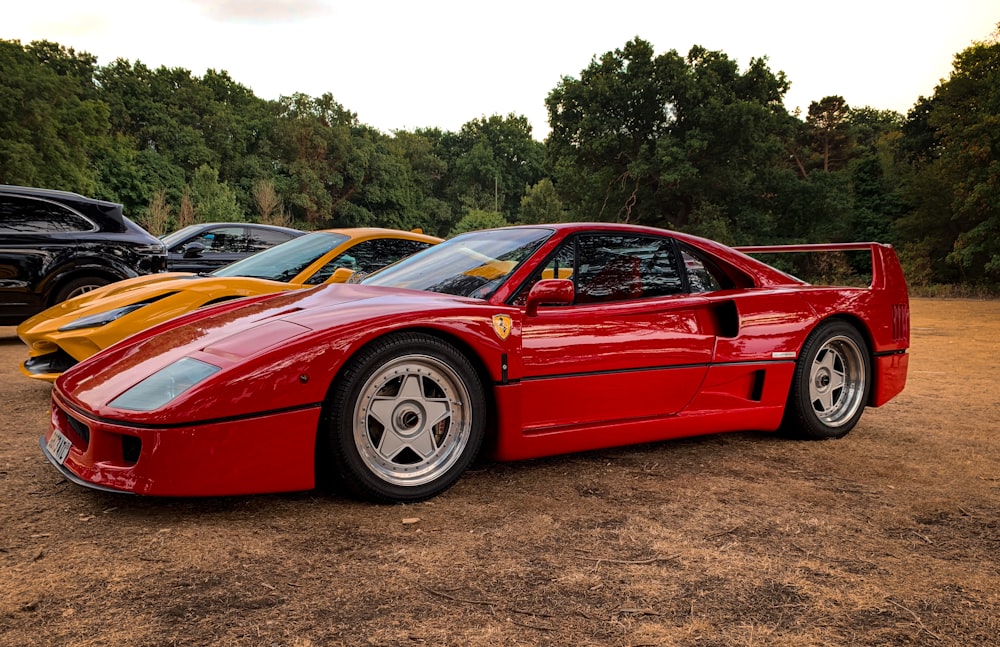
x,y
30,216
221,240
260,239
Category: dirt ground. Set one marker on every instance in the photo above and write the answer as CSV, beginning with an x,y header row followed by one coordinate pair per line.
x,y
889,536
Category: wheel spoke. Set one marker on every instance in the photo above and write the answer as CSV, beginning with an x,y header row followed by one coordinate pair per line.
x,y
423,443
410,390
391,444
381,409
827,381
437,410
837,380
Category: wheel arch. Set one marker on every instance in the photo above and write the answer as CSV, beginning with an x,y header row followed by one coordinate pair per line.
x,y
64,277
462,345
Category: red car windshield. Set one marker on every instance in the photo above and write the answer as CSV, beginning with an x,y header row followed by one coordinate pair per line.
x,y
470,265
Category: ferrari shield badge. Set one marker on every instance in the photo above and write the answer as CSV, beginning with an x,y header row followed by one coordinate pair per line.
x,y
501,326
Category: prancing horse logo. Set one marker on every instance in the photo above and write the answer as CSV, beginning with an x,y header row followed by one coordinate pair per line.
x,y
501,326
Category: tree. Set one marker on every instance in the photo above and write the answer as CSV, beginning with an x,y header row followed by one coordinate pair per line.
x,y
335,171
312,139
214,201
968,118
496,158
661,139
51,120
477,219
426,174
156,219
270,210
828,133
541,204
167,123
185,214
953,143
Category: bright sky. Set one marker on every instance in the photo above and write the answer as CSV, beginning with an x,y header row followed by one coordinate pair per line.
x,y
406,64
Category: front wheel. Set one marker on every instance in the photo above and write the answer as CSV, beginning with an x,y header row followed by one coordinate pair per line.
x,y
79,286
830,385
405,419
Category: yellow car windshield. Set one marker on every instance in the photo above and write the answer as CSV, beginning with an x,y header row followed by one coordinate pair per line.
x,y
285,261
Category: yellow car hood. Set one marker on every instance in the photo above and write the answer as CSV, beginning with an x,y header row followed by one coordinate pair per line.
x,y
168,295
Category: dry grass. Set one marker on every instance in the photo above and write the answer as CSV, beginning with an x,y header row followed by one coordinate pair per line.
x,y
890,536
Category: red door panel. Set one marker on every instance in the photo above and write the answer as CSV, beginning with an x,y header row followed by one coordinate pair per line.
x,y
598,363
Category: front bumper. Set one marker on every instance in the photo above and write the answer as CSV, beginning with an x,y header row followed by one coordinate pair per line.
x,y
48,367
271,452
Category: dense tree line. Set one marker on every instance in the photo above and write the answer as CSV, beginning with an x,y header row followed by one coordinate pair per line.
x,y
689,142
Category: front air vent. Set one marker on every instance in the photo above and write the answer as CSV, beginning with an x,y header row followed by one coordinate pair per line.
x,y
81,430
131,447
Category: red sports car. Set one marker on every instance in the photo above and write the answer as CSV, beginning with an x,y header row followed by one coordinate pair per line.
x,y
523,341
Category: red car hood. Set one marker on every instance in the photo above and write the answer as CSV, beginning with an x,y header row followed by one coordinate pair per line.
x,y
232,332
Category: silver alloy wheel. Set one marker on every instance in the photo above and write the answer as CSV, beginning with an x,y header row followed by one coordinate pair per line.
x,y
837,381
412,420
83,289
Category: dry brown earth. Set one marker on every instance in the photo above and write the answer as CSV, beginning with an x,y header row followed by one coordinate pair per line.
x,y
890,536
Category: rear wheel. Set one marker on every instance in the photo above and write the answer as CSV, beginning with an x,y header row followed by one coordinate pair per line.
x,y
405,419
79,286
831,383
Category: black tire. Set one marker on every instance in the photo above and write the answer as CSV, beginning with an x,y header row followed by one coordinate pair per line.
x,y
831,383
404,419
79,286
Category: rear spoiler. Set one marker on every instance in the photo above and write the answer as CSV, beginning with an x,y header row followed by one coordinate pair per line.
x,y
886,271
808,247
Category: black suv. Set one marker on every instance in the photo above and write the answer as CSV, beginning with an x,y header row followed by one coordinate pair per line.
x,y
55,245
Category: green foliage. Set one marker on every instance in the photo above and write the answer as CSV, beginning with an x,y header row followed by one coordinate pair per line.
x,y
541,204
690,142
486,165
477,219
338,172
952,141
50,118
658,139
828,134
214,201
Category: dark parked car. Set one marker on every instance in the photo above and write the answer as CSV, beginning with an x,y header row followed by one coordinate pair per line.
x,y
207,247
55,245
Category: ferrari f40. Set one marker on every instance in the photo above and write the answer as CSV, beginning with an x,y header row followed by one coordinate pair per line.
x,y
519,342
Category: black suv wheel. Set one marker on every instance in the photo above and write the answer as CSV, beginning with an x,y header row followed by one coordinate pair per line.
x,y
55,244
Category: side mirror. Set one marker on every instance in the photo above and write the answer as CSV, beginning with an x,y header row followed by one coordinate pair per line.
x,y
340,275
549,292
193,250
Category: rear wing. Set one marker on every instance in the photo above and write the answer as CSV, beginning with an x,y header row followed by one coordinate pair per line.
x,y
887,274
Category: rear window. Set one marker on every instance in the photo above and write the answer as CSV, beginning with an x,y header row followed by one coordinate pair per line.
x,y
30,216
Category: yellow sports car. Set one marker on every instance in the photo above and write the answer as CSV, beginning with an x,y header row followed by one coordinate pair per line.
x,y
73,330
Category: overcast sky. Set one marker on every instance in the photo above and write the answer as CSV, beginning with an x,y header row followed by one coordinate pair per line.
x,y
439,63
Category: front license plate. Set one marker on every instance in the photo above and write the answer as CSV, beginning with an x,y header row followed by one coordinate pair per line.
x,y
59,446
